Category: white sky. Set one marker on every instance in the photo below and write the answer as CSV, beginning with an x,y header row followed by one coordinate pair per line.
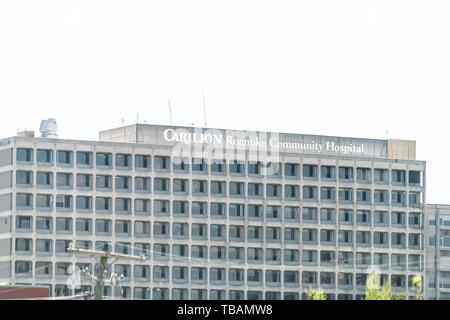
x,y
345,68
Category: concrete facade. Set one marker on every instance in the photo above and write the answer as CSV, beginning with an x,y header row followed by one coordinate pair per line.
x,y
327,219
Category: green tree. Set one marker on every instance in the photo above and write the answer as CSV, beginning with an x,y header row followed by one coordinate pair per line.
x,y
318,294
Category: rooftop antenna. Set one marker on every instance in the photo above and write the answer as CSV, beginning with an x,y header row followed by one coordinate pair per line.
x,y
170,113
204,108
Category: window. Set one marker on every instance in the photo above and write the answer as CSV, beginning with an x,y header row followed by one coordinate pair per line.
x,y
217,253
346,216
142,228
291,170
414,241
199,231
218,166
363,175
44,224
346,174
180,230
273,213
199,187
273,256
84,181
44,156
199,166
64,202
328,194
236,275
123,183
291,235
363,196
24,268
415,178
160,251
291,257
363,260
345,280
199,252
273,277
84,226
43,268
218,232
381,260
309,278
254,255
199,209
64,180
236,167
273,190
414,199
309,235
218,210
236,254
103,227
181,186
44,202
345,259
362,238
254,275
142,184
291,213
123,227
161,229
84,203
380,239
291,192
218,188
236,210
273,170
24,177
398,177
24,245
414,220
380,176
180,164
162,163
160,273
199,276
398,219
345,195
24,155
398,240
328,172
380,218
44,179
309,193
103,159
255,189
161,185
345,237
64,225
217,275
236,233
24,200
327,237
310,171
84,158
180,252
123,161
103,182
381,197
327,279
363,217
327,215
254,234
180,208
309,215
103,204
64,157
398,198
142,161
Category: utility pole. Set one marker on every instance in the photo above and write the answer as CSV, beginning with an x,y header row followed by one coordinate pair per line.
x,y
103,266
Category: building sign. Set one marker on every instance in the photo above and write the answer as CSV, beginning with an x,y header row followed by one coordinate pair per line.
x,y
271,141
